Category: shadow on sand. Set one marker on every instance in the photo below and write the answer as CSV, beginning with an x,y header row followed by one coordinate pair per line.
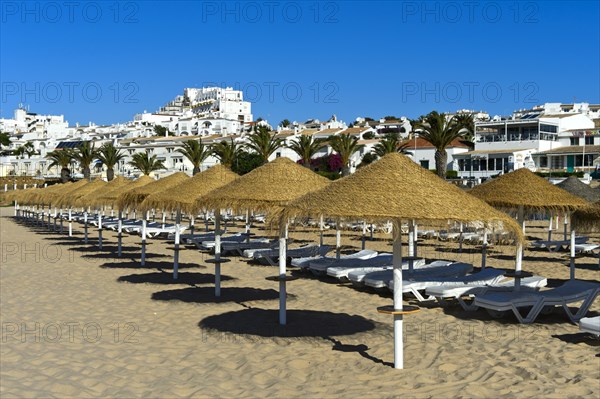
x,y
167,278
207,295
254,324
135,264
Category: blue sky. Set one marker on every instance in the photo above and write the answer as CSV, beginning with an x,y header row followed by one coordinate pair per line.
x,y
105,61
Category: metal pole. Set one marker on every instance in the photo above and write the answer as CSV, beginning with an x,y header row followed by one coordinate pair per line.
x,y
397,262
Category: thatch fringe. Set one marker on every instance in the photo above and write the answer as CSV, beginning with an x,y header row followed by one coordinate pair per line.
x,y
110,197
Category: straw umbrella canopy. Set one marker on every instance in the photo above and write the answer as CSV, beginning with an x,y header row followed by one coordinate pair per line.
x,y
70,199
587,218
133,198
87,195
524,191
184,195
268,188
111,197
523,188
396,188
576,187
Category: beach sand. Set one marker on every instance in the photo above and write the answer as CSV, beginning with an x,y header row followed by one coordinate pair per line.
x,y
78,322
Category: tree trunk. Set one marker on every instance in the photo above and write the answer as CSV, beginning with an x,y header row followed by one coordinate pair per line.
x,y
65,175
196,170
345,170
441,161
110,174
86,173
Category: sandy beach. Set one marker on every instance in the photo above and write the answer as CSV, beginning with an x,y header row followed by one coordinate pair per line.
x,y
78,322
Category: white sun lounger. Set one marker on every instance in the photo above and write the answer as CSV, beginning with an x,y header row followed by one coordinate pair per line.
x,y
590,325
444,294
379,262
384,279
571,292
320,265
271,256
586,247
256,243
210,244
556,245
167,229
357,276
414,285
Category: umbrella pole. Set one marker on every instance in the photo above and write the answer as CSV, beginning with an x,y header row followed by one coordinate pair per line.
x,y
143,257
247,226
176,249
70,223
218,253
572,257
191,224
460,238
372,231
550,227
55,216
120,234
206,221
164,218
283,229
61,221
99,229
484,249
364,235
565,228
16,209
338,240
519,258
85,226
397,262
411,239
416,237
321,228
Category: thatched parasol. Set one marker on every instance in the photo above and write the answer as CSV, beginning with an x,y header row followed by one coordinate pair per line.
x,y
576,187
396,188
111,197
524,188
132,198
69,199
524,191
87,195
267,188
184,195
587,218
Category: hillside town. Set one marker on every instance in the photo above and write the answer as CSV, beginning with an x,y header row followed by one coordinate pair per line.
x,y
552,138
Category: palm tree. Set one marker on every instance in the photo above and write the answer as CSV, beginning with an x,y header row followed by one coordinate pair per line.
x,y
145,163
227,152
306,147
29,149
263,142
466,121
390,143
85,155
195,152
61,159
4,139
109,155
345,145
440,132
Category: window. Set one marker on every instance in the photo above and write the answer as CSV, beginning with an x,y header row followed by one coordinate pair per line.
x,y
543,162
424,164
278,154
589,140
574,141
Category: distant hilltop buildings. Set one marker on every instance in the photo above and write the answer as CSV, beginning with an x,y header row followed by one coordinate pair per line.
x,y
547,138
